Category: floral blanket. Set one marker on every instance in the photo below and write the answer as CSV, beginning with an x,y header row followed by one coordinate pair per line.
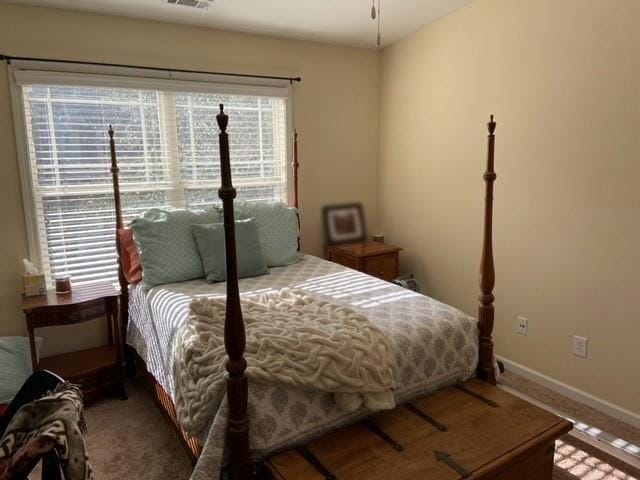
x,y
434,345
53,422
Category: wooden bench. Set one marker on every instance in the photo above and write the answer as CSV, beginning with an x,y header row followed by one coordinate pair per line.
x,y
473,430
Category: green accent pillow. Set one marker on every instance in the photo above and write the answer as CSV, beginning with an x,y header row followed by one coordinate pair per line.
x,y
168,251
278,230
211,244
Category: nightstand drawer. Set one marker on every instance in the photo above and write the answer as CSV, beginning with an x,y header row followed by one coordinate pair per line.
x,y
67,314
346,260
377,259
382,266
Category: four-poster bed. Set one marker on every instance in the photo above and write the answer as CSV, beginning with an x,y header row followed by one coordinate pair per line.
x,y
524,448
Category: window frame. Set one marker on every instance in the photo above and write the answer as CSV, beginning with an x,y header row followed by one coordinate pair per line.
x,y
33,72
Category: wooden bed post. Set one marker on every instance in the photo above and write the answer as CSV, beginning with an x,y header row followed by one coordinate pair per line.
x,y
486,363
123,305
295,166
240,467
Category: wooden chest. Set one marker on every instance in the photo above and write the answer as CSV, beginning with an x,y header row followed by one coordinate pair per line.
x,y
474,430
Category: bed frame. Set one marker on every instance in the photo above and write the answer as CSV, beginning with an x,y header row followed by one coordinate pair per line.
x,y
240,464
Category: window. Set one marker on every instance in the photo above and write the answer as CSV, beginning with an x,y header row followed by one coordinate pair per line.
x,y
167,147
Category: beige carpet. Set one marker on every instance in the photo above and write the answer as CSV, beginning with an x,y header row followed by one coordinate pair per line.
x,y
571,408
131,439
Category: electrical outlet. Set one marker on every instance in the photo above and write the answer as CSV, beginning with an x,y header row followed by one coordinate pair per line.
x,y
580,346
522,326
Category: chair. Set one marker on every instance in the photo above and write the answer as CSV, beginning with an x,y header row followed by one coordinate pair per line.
x,y
36,386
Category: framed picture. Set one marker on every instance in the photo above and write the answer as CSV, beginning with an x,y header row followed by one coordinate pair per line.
x,y
344,223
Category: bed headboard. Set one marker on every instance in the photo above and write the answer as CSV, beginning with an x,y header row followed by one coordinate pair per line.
x,y
119,222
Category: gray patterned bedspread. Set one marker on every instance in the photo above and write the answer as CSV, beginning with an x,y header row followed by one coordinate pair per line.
x,y
435,345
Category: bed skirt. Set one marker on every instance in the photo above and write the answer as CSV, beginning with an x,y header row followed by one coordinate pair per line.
x,y
166,406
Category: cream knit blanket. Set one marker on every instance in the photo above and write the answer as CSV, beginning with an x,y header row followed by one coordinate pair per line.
x,y
293,339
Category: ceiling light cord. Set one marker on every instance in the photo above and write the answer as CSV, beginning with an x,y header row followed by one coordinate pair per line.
x,y
378,37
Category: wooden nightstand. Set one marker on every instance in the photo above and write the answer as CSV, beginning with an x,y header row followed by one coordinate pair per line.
x,y
374,258
95,369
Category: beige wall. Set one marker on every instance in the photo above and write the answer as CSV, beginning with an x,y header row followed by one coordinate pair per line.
x,y
563,79
335,111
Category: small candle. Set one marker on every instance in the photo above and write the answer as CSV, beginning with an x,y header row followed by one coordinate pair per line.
x,y
63,284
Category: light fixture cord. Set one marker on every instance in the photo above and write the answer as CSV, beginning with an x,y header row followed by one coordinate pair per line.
x,y
378,38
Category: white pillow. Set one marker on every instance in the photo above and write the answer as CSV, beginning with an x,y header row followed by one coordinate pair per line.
x,y
15,365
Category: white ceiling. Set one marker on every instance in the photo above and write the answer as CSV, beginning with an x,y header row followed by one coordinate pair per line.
x,y
345,22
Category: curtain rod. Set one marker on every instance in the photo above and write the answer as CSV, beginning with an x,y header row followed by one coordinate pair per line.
x,y
9,58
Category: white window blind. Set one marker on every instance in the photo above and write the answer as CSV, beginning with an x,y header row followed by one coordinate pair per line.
x,y
166,142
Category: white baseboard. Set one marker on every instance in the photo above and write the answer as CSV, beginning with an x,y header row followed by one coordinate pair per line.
x,y
573,393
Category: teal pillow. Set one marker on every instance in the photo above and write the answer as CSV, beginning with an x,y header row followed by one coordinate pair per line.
x,y
278,230
211,244
168,251
15,365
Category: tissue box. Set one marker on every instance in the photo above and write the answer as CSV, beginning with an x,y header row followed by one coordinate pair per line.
x,y
35,285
